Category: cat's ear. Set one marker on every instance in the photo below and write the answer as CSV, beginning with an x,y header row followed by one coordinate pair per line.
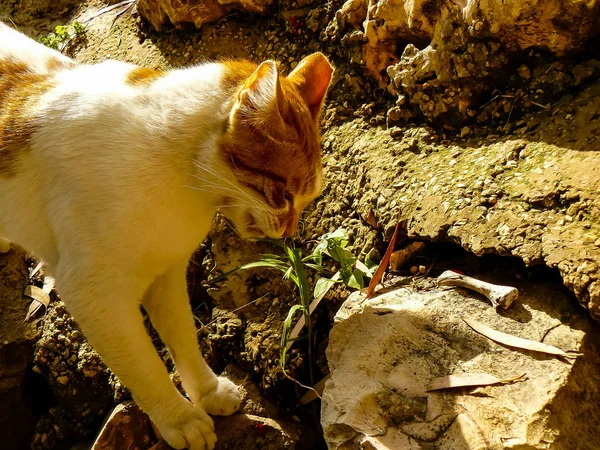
x,y
312,77
261,97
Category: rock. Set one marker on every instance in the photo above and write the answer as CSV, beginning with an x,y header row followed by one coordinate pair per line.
x,y
17,340
559,28
524,72
181,12
463,48
249,432
409,20
532,199
383,353
353,13
127,427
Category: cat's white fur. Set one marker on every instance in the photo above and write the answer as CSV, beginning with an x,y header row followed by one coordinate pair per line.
x,y
117,226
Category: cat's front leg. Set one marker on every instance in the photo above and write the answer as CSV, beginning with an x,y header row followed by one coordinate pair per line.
x,y
106,306
168,305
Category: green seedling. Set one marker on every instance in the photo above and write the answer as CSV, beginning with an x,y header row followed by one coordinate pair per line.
x,y
351,272
63,35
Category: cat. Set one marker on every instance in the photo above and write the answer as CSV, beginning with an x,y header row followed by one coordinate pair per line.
x,y
113,173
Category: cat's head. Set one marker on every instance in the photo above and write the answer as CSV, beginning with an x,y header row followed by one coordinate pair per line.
x,y
271,149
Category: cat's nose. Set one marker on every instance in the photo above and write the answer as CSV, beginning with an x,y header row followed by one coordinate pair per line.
x,y
291,226
291,229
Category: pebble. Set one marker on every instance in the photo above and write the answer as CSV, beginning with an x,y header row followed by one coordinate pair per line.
x,y
62,380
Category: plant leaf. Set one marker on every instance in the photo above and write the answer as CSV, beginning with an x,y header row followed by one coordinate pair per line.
x,y
322,286
356,280
301,321
366,271
267,261
285,335
468,380
383,264
514,341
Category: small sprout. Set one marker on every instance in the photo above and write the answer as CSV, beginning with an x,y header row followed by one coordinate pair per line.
x,y
63,35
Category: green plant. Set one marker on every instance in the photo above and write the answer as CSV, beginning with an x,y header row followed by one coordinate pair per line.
x,y
63,34
352,272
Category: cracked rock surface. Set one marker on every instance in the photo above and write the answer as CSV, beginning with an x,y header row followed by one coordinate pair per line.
x,y
384,352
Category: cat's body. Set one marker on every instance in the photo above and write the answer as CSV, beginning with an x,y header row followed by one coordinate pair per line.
x,y
113,173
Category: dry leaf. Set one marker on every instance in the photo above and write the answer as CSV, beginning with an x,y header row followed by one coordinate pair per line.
x,y
514,341
401,257
317,391
468,380
378,275
36,269
370,219
40,296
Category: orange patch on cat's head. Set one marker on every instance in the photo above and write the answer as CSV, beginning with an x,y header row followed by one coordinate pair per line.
x,y
272,143
20,89
142,76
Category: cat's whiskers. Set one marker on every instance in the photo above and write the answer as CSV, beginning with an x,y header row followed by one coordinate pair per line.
x,y
222,178
216,192
218,187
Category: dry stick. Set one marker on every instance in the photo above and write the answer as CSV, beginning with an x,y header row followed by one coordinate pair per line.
x,y
107,9
378,275
499,296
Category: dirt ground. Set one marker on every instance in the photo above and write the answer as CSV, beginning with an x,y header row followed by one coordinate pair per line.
x,y
528,189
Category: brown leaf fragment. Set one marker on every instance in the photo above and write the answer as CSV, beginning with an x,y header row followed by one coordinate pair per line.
x,y
378,275
401,257
468,380
40,296
370,218
514,341
316,391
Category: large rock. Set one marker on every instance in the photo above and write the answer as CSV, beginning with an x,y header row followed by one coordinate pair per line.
x,y
533,194
127,427
384,352
457,51
198,12
17,338
258,424
558,26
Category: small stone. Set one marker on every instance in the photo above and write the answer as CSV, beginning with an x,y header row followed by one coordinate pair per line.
x,y
62,380
511,164
464,132
597,243
414,270
524,72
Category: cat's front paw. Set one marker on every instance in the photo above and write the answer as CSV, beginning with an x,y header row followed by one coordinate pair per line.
x,y
190,428
223,400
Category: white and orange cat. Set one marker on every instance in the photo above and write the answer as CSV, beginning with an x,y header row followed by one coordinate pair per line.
x,y
113,173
